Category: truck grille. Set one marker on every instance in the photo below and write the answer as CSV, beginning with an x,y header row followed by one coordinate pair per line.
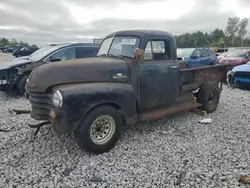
x,y
41,104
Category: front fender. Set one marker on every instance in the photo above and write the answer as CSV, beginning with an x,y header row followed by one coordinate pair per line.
x,y
81,98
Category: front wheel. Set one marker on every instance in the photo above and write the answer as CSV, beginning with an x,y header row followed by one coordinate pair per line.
x,y
21,85
100,130
209,96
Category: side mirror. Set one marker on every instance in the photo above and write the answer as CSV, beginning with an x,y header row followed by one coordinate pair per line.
x,y
55,60
139,54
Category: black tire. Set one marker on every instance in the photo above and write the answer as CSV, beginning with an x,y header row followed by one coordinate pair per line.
x,y
83,132
21,85
230,80
209,97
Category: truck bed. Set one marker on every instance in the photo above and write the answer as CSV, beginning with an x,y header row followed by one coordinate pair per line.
x,y
192,78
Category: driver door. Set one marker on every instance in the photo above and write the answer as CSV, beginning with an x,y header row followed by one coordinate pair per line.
x,y
159,76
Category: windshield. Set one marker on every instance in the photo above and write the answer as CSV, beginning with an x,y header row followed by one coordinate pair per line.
x,y
39,54
184,52
236,54
224,54
119,46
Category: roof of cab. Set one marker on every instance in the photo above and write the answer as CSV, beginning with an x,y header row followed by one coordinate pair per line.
x,y
142,33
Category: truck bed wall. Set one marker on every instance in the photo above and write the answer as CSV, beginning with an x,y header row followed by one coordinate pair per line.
x,y
193,78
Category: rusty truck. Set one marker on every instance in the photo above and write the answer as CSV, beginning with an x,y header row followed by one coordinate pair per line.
x,y
135,77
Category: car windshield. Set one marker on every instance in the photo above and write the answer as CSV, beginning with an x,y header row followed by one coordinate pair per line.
x,y
184,52
39,54
120,46
236,54
224,54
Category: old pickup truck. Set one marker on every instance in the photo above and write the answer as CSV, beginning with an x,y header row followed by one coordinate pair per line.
x,y
135,77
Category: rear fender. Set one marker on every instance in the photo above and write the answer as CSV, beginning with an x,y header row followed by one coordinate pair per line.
x,y
82,98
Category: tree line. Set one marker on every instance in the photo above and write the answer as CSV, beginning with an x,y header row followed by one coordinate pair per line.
x,y
5,42
235,35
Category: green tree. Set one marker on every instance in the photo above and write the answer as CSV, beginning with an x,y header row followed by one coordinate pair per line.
x,y
13,42
242,31
4,42
232,28
24,44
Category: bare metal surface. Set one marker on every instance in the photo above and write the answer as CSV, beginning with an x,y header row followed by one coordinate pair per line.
x,y
159,113
102,129
161,153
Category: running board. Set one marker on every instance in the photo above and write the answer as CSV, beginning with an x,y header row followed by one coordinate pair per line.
x,y
160,113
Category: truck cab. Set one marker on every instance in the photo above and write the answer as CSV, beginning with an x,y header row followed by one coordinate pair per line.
x,y
135,77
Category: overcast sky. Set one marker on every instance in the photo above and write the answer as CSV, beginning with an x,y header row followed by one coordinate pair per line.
x,y
52,21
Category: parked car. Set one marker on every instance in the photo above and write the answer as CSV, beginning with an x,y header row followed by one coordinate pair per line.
x,y
219,51
135,77
13,74
222,55
1,48
197,57
239,76
24,51
12,48
236,58
5,48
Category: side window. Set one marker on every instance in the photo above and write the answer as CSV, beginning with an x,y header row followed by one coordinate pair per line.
x,y
64,54
196,53
204,53
148,51
210,53
84,52
158,46
157,50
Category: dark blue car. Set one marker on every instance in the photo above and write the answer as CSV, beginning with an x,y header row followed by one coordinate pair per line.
x,y
239,76
197,57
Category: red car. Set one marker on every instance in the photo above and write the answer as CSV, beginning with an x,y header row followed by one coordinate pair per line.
x,y
236,57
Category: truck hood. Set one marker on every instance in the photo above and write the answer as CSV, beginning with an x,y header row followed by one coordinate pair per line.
x,y
97,69
14,63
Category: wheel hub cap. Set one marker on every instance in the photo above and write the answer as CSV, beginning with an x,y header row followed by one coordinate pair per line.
x,y
102,129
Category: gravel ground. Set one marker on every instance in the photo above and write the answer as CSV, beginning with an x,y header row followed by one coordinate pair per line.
x,y
172,152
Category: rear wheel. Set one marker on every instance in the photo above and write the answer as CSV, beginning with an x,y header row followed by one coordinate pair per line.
x,y
99,130
209,96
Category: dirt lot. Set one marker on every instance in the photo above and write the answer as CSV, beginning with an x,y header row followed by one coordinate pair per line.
x,y
5,57
173,152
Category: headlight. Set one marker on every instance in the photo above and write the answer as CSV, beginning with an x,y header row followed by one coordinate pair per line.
x,y
58,99
232,73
